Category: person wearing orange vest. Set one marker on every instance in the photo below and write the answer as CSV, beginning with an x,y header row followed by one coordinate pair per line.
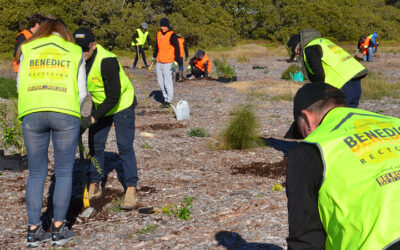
x,y
199,65
367,47
34,22
166,52
183,51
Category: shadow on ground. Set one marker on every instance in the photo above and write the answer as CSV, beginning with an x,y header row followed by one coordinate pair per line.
x,y
157,95
233,241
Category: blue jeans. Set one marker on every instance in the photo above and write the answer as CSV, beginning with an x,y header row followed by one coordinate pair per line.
x,y
368,56
64,131
124,122
352,92
180,63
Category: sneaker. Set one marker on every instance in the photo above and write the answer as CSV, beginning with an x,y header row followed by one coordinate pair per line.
x,y
60,235
36,237
130,199
165,105
95,191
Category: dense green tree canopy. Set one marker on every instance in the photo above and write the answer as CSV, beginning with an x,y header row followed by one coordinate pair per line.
x,y
208,23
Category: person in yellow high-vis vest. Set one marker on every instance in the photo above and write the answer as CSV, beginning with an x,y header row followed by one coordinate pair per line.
x,y
114,102
343,179
324,61
51,87
139,38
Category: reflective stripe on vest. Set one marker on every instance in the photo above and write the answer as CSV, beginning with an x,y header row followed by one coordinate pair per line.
x,y
142,37
358,201
27,34
95,83
166,52
181,40
339,66
200,64
48,80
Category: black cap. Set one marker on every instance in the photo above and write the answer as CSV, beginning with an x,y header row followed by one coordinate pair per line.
x,y
83,37
306,96
164,22
199,53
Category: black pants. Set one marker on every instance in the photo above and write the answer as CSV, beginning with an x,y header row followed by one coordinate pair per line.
x,y
141,50
198,72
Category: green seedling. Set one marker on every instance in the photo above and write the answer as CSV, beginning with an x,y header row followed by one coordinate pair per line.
x,y
115,203
148,229
182,212
219,100
146,145
198,132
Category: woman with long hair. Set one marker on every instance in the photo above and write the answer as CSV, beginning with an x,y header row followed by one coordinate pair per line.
x,y
51,88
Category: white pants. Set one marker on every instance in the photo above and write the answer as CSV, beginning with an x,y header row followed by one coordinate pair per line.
x,y
164,77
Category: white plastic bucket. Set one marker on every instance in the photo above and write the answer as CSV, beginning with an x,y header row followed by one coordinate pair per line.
x,y
182,110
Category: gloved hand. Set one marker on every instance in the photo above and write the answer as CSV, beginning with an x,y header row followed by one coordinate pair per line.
x,y
174,65
150,47
189,68
153,59
86,122
133,44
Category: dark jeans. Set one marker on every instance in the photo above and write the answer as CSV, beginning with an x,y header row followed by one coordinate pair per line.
x,y
64,131
124,122
180,63
197,72
352,91
141,50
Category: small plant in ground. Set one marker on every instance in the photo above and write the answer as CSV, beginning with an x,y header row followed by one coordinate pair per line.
x,y
274,116
277,187
182,211
219,100
223,69
243,58
11,135
93,160
241,132
198,132
375,87
282,97
291,69
8,88
1,173
146,145
115,203
148,229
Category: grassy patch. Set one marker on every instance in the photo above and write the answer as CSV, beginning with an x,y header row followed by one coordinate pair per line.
x,y
243,59
282,97
291,69
146,145
242,130
8,88
198,132
219,100
148,229
375,87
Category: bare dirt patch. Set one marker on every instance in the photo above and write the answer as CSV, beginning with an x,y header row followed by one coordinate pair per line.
x,y
161,126
273,170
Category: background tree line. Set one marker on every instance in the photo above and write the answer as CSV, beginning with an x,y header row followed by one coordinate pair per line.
x,y
207,23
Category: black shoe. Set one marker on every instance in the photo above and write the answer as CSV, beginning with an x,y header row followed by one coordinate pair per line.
x,y
36,237
60,235
134,67
165,105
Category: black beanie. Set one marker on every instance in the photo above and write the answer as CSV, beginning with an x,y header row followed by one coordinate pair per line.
x,y
164,22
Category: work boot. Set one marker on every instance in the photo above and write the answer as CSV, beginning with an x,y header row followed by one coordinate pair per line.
x,y
130,199
36,237
95,191
60,235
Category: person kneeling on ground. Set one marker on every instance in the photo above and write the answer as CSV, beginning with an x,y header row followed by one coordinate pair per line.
x,y
113,102
343,179
199,65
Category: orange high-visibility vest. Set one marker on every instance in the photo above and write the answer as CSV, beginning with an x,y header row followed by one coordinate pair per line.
x,y
200,63
181,40
365,45
166,52
27,34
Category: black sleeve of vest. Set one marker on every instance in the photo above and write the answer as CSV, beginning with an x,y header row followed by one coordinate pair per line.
x,y
185,48
20,39
112,87
155,49
314,55
148,40
303,181
134,36
371,43
174,42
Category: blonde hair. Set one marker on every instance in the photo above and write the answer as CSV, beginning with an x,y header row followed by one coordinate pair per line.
x,y
52,24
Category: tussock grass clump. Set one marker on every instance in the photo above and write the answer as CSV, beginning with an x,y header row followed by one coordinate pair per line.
x,y
8,88
242,130
291,69
375,87
198,132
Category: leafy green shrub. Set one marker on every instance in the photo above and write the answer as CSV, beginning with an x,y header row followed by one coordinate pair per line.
x,y
241,132
291,69
223,69
11,135
182,212
198,132
8,88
